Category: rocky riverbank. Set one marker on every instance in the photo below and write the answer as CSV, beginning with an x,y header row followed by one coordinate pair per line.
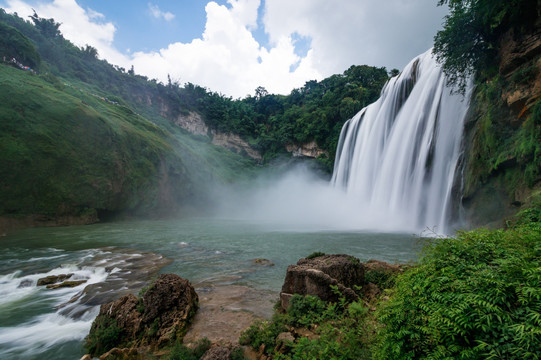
x,y
170,314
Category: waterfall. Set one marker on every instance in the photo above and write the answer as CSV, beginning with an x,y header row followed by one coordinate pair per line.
x,y
398,156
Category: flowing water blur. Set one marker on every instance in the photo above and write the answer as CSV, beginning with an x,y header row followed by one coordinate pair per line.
x,y
115,258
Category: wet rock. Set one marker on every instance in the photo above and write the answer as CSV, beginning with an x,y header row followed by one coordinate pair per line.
x,y
25,283
66,284
86,357
53,279
161,316
315,277
217,353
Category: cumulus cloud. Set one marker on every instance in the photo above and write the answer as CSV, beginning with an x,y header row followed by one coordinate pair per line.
x,y
351,32
227,58
158,14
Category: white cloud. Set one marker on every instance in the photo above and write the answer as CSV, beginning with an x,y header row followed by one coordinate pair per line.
x,y
228,59
158,14
351,32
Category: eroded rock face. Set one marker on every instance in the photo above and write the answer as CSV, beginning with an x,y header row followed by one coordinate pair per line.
x,y
315,277
193,123
309,149
162,315
234,143
521,64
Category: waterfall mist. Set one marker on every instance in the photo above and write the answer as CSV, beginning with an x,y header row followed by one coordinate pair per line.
x,y
395,166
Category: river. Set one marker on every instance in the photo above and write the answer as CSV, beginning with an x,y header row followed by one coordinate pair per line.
x,y
120,257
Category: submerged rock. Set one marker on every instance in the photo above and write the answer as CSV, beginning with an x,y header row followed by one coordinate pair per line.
x,y
161,316
262,262
316,275
53,279
65,284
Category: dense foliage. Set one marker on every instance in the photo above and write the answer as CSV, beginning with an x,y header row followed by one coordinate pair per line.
x,y
315,112
473,296
468,43
476,296
13,44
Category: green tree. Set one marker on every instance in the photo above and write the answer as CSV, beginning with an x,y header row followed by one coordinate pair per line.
x,y
48,27
468,42
13,44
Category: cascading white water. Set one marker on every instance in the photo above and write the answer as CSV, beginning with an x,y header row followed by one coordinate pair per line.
x,y
398,156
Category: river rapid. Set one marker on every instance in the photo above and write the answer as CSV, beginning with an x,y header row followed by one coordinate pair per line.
x,y
121,257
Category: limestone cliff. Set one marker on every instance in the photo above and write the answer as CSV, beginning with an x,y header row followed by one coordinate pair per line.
x,y
309,149
194,124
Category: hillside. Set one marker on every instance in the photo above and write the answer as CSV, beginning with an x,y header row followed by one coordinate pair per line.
x,y
68,152
84,140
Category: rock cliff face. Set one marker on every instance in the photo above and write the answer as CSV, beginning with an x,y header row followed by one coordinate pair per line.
x,y
502,170
234,143
309,149
194,124
521,65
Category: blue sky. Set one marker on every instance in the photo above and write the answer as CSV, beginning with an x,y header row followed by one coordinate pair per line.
x,y
234,46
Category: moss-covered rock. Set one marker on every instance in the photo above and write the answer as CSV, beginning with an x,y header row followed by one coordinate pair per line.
x,y
169,305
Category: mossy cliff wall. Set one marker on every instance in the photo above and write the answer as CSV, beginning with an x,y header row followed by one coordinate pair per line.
x,y
502,161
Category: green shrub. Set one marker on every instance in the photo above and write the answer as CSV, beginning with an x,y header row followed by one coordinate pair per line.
x,y
182,352
305,310
103,336
315,255
341,334
473,296
263,333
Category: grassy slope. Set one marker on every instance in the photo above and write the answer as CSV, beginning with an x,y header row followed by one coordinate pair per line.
x,y
64,151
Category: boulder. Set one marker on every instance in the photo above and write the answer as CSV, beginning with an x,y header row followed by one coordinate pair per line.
x,y
284,342
172,301
217,353
162,315
315,277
